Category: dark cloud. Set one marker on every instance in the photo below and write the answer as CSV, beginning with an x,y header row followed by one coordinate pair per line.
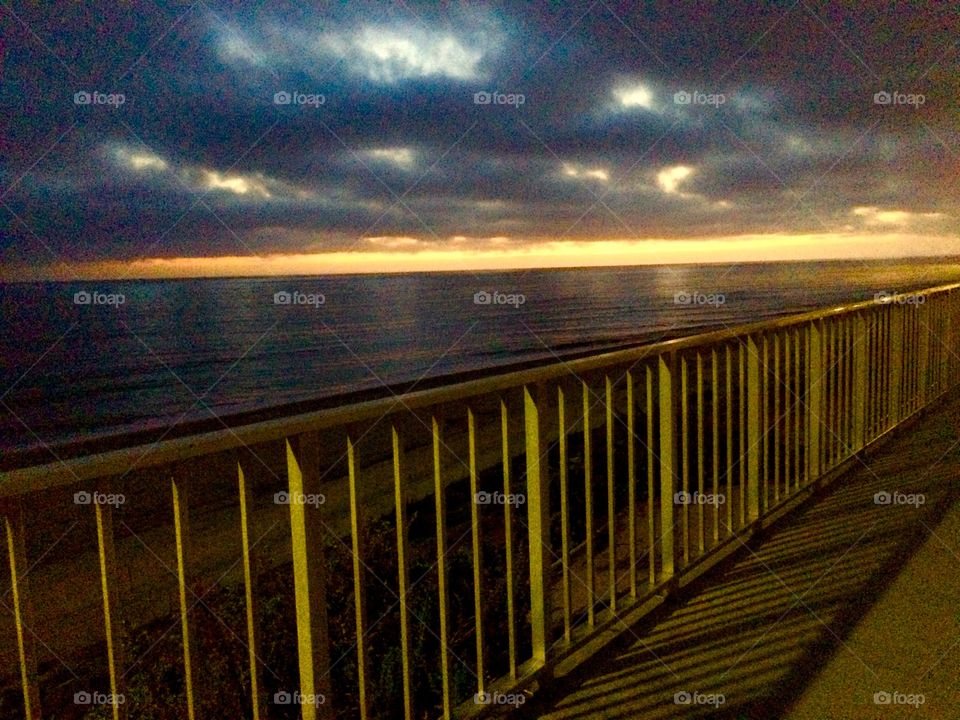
x,y
383,137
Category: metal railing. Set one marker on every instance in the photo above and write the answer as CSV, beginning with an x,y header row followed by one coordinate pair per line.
x,y
635,467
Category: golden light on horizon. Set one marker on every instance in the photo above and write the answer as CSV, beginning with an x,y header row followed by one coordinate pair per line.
x,y
505,254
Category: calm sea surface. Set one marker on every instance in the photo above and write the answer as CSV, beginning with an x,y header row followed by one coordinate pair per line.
x,y
177,351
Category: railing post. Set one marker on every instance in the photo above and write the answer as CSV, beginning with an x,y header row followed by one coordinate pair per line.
x,y
538,518
814,398
251,567
109,586
946,347
861,374
925,337
896,362
476,536
588,503
611,497
403,564
358,522
754,431
443,576
22,606
309,583
669,460
180,496
564,514
508,537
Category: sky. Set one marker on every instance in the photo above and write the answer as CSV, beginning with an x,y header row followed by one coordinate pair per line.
x,y
148,139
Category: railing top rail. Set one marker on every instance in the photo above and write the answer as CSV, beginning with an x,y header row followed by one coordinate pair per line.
x,y
36,477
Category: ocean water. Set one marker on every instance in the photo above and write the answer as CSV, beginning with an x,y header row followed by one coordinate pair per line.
x,y
162,354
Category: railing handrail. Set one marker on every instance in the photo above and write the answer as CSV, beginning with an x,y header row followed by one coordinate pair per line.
x,y
38,477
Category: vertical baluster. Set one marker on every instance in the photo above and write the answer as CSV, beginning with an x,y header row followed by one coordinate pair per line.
x,y
685,460
851,375
564,514
669,449
251,599
835,390
701,461
790,399
440,505
872,390
403,569
611,499
309,578
842,414
22,606
814,398
357,527
508,538
911,363
752,427
896,363
915,364
880,370
947,346
833,363
632,482
923,347
765,422
839,362
476,534
181,525
588,502
840,359
538,520
887,367
860,382
651,525
742,429
110,591
797,408
715,407
776,417
845,411
830,391
729,460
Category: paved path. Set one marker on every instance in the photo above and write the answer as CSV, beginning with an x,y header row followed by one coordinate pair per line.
x,y
842,600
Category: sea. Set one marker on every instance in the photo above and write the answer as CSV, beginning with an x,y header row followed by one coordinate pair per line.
x,y
84,360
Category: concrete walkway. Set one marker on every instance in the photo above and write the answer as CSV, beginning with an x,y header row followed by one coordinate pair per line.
x,y
847,609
